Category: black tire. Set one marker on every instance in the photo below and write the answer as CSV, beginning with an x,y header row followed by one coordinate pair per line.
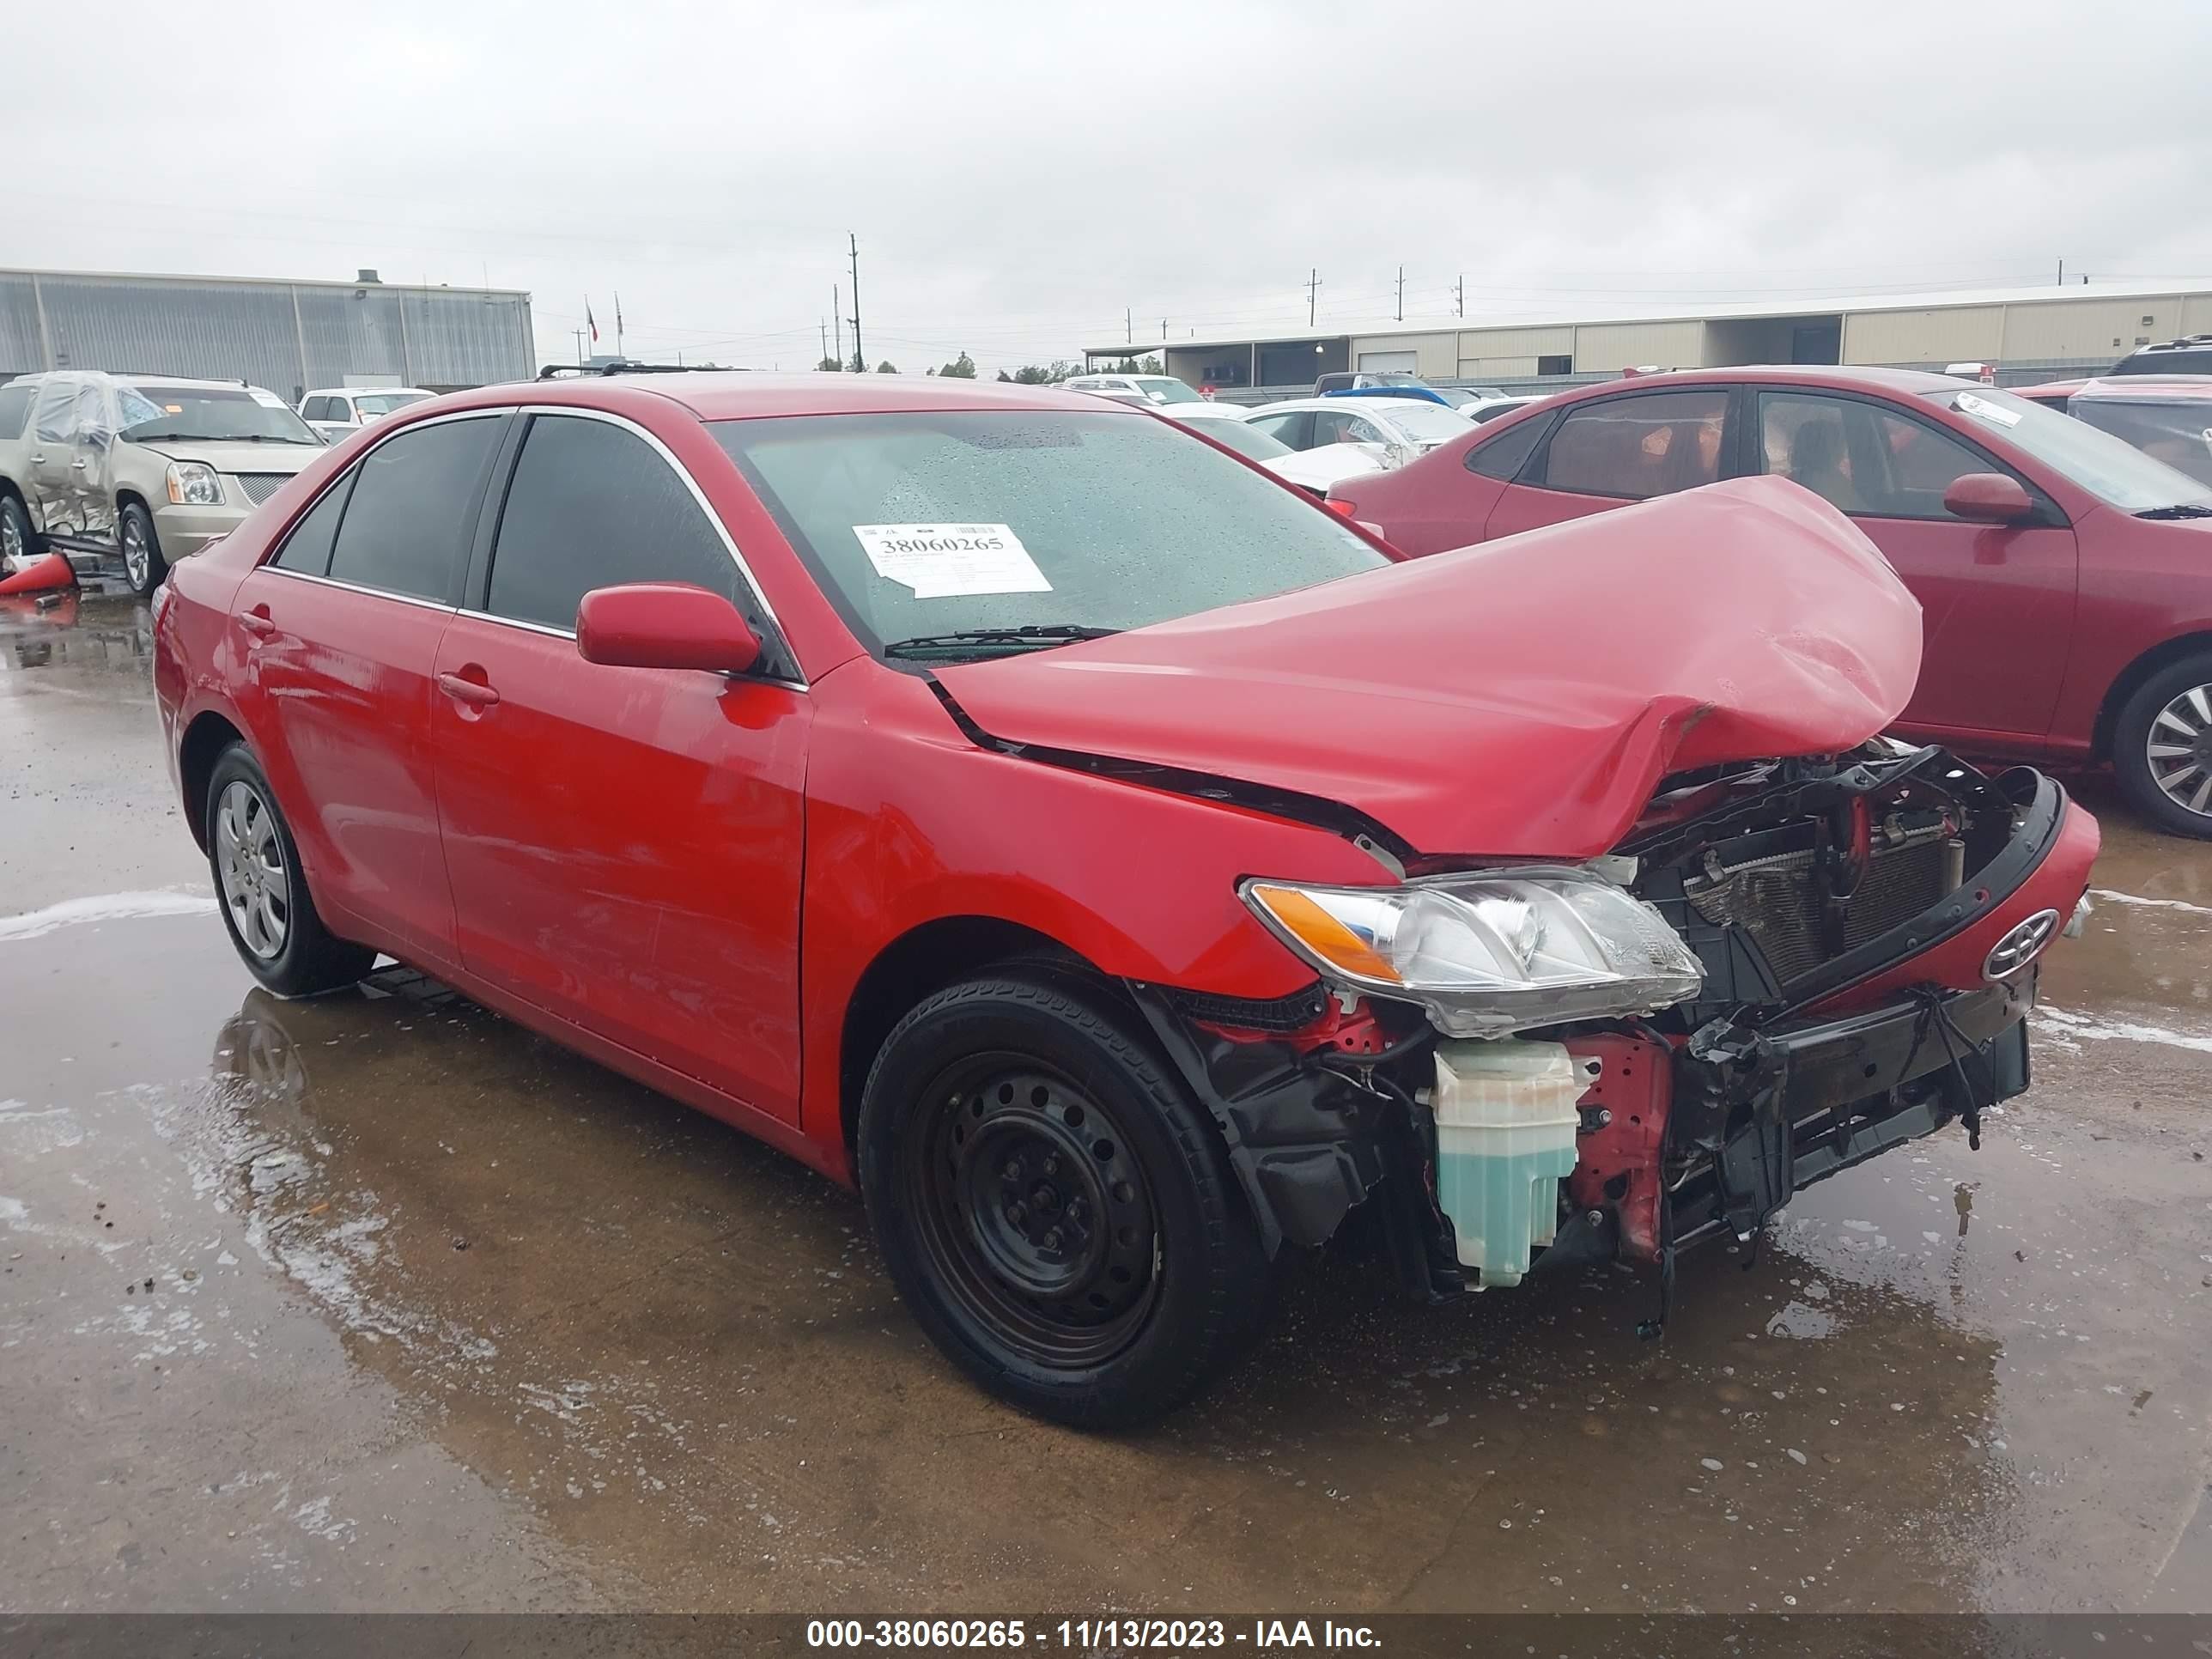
x,y
2166,789
143,567
307,958
1136,1277
19,543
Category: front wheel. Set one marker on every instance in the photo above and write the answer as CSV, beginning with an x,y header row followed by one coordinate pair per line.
x,y
271,916
142,548
1053,1208
2162,747
19,543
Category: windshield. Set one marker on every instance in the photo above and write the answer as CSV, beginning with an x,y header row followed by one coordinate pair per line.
x,y
1243,437
244,413
2106,467
1428,423
383,403
2178,432
924,523
1166,389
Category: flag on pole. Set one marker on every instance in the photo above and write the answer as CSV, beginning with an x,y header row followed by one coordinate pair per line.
x,y
593,327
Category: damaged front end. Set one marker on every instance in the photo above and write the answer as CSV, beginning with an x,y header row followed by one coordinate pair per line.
x,y
1786,968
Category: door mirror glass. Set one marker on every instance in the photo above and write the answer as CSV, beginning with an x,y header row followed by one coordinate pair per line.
x,y
1988,498
663,625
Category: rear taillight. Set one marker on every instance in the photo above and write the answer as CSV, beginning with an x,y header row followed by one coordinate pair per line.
x,y
1342,510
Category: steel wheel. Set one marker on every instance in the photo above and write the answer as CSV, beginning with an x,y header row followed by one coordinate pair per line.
x,y
2179,750
1033,1211
137,556
250,861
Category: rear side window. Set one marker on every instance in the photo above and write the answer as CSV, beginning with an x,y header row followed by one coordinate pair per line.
x,y
592,505
14,410
1502,456
1634,448
413,507
1295,429
318,408
307,549
55,397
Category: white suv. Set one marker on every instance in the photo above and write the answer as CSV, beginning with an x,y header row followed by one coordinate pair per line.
x,y
336,411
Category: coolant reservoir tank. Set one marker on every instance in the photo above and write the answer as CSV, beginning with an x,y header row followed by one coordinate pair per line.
x,y
1505,1137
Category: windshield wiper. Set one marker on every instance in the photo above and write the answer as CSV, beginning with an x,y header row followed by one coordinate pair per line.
x,y
1030,633
206,438
2179,510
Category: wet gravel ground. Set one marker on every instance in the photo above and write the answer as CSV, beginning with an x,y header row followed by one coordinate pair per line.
x,y
379,1302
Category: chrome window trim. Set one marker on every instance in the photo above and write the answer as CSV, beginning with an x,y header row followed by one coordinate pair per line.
x,y
569,633
356,588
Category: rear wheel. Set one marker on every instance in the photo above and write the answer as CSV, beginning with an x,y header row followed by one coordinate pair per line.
x,y
142,548
1057,1214
266,906
2162,747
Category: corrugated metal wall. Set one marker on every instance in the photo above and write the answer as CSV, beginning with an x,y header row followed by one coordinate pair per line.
x,y
1626,345
2088,328
287,337
1436,355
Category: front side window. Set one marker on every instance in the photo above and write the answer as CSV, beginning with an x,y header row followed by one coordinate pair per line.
x,y
407,525
929,524
318,409
1334,426
212,414
1293,430
590,506
1637,447
1860,457
2096,461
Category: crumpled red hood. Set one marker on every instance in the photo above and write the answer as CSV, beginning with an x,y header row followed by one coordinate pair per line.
x,y
1521,698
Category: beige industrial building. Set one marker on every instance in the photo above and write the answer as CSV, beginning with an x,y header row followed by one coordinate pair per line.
x,y
2027,332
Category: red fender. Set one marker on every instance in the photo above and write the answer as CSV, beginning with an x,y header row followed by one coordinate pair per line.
x,y
53,571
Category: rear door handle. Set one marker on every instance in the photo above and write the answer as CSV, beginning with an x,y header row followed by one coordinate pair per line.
x,y
475,693
78,465
257,622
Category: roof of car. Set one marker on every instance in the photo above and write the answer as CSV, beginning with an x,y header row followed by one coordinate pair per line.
x,y
363,390
2149,388
132,378
736,395
1361,406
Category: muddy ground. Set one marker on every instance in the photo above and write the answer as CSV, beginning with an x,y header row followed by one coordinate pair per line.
x,y
379,1302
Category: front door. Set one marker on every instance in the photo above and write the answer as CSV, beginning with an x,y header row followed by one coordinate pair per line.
x,y
54,480
1612,451
341,631
1996,601
625,844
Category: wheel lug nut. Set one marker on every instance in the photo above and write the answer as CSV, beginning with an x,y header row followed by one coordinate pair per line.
x,y
1052,1239
1014,1168
1018,1213
1052,1163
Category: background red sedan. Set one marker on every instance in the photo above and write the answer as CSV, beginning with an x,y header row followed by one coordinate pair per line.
x,y
2064,577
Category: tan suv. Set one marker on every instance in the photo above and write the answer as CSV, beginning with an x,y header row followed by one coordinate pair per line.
x,y
142,468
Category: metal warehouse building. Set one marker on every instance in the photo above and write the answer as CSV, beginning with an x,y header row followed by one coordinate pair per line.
x,y
2030,333
287,336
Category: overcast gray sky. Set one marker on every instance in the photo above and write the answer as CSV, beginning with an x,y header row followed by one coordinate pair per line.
x,y
1019,175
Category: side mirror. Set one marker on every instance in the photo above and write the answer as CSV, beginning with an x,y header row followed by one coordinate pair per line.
x,y
663,625
1988,498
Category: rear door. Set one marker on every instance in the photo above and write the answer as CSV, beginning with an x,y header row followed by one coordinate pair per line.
x,y
51,486
1608,452
340,633
625,844
1996,601
1292,427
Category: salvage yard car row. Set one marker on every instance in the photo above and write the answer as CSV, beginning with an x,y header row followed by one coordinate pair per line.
x,y
1120,868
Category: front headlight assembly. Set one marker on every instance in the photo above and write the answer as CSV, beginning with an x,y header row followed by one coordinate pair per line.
x,y
1487,954
194,484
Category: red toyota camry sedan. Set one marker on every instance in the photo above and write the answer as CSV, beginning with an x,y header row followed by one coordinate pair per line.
x,y
1119,867
2065,575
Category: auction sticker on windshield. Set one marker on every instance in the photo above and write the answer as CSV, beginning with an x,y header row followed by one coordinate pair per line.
x,y
1967,404
949,561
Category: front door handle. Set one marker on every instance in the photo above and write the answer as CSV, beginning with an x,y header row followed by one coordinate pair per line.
x,y
78,463
257,622
475,693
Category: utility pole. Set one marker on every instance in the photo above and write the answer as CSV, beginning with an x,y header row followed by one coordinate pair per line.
x,y
579,333
860,358
619,352
1313,288
1164,331
2062,270
1129,325
823,330
1459,307
1402,294
837,322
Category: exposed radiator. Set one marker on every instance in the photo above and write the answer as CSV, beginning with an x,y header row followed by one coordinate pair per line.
x,y
1777,901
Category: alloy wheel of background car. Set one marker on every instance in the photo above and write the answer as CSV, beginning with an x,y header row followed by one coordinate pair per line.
x,y
2162,747
250,861
267,908
14,537
142,550
2179,749
1033,1211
